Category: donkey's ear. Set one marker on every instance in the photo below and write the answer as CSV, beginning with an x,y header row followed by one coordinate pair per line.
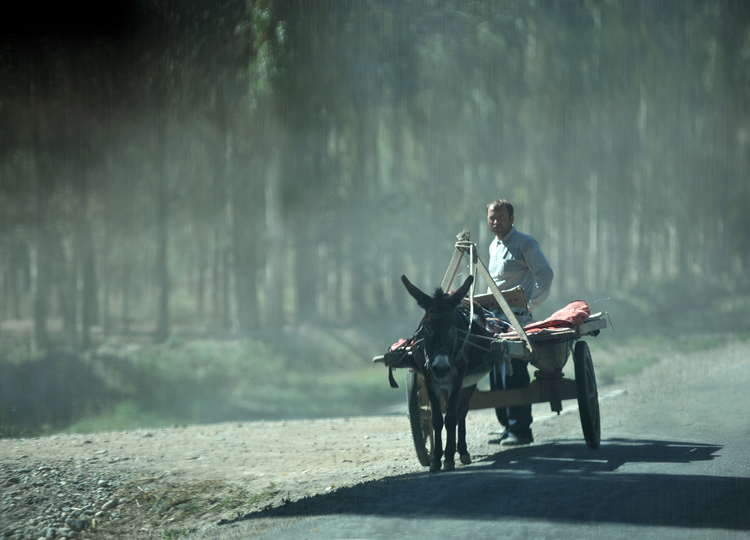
x,y
459,294
423,300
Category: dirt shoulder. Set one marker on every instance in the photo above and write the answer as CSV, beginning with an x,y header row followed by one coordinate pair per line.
x,y
138,484
162,483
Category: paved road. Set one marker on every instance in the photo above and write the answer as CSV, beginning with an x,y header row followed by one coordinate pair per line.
x,y
672,466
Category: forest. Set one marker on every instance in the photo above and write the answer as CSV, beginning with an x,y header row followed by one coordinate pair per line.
x,y
232,167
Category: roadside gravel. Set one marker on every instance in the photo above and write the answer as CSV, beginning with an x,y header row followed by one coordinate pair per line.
x,y
157,483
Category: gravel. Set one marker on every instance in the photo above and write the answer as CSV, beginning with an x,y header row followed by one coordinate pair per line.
x,y
166,482
61,500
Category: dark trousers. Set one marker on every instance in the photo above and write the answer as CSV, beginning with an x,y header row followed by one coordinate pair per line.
x,y
516,419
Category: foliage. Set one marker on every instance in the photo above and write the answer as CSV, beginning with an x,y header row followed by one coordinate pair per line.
x,y
202,381
296,158
258,174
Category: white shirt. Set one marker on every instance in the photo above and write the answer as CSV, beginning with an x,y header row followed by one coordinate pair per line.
x,y
516,260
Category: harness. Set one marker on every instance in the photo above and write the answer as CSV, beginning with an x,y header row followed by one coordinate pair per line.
x,y
464,316
457,351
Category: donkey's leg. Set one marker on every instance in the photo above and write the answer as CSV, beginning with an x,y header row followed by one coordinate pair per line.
x,y
437,452
450,441
437,427
450,425
463,410
463,452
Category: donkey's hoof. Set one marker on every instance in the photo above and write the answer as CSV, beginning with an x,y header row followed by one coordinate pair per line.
x,y
466,459
435,466
450,465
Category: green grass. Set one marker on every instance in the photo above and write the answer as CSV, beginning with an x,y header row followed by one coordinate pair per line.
x,y
125,415
201,381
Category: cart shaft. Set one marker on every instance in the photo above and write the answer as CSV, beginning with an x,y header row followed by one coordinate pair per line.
x,y
548,390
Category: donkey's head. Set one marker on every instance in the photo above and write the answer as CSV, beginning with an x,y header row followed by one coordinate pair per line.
x,y
443,331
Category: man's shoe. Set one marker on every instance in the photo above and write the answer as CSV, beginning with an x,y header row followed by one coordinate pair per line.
x,y
501,435
517,440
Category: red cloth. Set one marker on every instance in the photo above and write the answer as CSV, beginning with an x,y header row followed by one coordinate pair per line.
x,y
399,344
571,316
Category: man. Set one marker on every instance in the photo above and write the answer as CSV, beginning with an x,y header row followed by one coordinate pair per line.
x,y
516,260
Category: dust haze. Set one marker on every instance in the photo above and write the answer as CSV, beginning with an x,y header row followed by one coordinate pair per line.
x,y
264,172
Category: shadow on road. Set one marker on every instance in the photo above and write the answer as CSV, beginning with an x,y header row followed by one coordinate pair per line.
x,y
613,454
556,481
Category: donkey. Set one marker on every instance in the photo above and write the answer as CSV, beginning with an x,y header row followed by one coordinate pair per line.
x,y
444,353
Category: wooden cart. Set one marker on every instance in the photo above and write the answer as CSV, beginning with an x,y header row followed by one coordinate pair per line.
x,y
548,351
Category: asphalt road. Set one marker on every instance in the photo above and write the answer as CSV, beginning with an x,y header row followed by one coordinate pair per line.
x,y
672,464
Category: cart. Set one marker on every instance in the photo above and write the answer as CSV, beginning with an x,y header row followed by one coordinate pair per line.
x,y
547,350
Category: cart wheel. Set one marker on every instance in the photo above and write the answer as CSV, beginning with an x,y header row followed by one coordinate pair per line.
x,y
420,417
588,396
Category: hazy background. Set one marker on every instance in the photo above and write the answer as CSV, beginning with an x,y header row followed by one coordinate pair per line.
x,y
214,174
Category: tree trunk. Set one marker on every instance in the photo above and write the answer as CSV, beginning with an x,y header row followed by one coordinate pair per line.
x,y
89,294
216,259
126,282
40,254
306,242
40,287
239,255
106,273
162,222
64,270
19,272
201,277
274,300
307,269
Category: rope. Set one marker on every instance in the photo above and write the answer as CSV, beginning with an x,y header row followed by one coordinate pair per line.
x,y
492,341
498,347
466,245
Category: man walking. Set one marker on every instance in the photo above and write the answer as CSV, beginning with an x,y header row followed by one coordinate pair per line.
x,y
516,260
